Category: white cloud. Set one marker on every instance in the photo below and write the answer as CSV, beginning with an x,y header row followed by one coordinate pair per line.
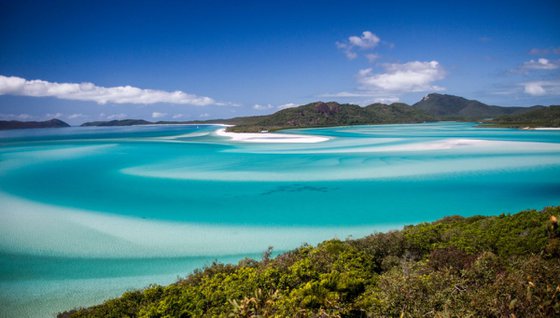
x,y
177,116
55,115
386,100
371,57
158,115
541,64
203,115
287,105
16,116
24,116
350,54
74,116
227,104
534,89
262,107
540,88
113,116
347,49
367,40
13,85
403,78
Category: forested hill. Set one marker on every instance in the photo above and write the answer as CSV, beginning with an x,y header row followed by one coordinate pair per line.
x,y
449,107
499,266
321,114
14,124
541,117
433,107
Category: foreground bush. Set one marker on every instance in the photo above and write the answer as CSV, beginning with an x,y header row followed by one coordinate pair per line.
x,y
502,266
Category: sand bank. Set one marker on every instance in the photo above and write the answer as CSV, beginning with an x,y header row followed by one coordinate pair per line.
x,y
269,137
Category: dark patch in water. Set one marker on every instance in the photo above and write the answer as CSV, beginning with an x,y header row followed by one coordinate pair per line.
x,y
297,188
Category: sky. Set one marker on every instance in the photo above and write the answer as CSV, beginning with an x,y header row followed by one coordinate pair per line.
x,y
193,60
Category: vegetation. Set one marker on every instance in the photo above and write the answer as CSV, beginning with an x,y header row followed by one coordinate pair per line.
x,y
500,266
321,114
433,107
449,107
14,124
542,117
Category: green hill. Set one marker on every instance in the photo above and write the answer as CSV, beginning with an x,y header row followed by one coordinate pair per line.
x,y
541,117
449,107
433,107
499,266
14,124
320,114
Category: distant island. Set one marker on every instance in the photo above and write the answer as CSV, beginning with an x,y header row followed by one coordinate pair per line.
x,y
122,122
139,122
14,124
497,266
433,107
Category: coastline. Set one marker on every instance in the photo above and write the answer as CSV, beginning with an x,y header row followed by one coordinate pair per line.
x,y
95,236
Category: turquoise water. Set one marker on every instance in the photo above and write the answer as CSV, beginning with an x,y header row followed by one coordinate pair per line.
x,y
87,213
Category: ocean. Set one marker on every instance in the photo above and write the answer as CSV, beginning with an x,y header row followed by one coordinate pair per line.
x,y
87,213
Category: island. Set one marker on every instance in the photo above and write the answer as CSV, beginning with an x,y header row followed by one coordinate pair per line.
x,y
14,124
480,266
433,107
122,122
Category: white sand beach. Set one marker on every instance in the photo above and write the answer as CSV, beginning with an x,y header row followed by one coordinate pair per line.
x,y
266,137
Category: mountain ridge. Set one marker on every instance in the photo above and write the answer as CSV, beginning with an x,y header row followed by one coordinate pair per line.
x,y
446,106
433,107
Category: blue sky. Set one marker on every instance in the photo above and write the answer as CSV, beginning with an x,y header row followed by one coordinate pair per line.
x,y
188,60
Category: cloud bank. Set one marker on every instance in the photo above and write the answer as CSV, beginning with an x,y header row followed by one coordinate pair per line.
x,y
13,85
409,77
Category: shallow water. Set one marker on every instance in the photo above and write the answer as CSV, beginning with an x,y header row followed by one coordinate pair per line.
x,y
87,213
